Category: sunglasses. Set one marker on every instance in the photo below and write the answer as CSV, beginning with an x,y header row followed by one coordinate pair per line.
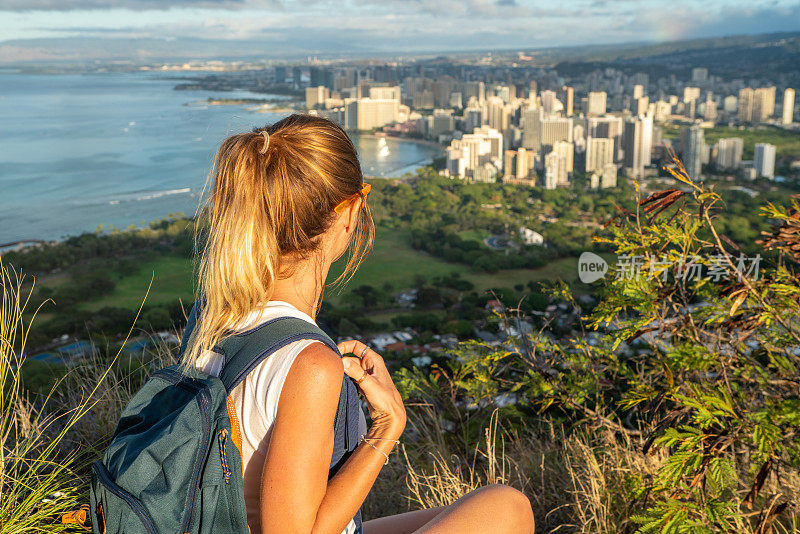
x,y
365,189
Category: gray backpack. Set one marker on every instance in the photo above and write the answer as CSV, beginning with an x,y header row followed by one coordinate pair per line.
x,y
174,464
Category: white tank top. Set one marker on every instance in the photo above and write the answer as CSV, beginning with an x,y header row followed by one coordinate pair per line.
x,y
256,401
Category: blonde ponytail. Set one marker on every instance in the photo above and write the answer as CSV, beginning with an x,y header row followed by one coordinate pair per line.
x,y
273,195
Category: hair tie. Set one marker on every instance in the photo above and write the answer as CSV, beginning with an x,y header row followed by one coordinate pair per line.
x,y
266,141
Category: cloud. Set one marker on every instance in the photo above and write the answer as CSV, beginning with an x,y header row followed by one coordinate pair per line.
x,y
333,27
71,5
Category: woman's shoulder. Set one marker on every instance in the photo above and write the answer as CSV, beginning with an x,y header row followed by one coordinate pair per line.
x,y
314,378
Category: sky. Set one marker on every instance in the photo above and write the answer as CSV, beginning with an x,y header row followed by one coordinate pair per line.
x,y
356,26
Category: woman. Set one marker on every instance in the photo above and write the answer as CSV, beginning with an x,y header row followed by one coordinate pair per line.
x,y
288,201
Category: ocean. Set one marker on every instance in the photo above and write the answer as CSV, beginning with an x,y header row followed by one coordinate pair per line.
x,y
78,151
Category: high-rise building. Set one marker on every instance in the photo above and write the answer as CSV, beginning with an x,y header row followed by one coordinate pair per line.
x,y
662,111
763,104
543,130
566,150
391,92
609,176
316,96
498,113
730,104
474,155
693,147
690,94
569,100
764,160
368,114
788,106
637,144
640,105
746,101
297,77
518,164
596,103
549,100
729,153
599,153
555,170
473,118
638,91
607,128
442,121
710,109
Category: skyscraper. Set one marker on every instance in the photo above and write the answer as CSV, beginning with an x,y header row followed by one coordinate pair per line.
x,y
368,113
690,94
596,103
710,110
607,128
788,106
555,170
729,153
478,155
637,144
746,98
316,96
640,105
599,153
764,160
548,101
693,147
543,130
566,150
569,100
763,104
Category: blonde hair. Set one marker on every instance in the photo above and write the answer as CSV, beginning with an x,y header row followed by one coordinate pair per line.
x,y
273,196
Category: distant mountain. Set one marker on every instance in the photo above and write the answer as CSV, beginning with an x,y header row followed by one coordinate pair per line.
x,y
740,56
747,56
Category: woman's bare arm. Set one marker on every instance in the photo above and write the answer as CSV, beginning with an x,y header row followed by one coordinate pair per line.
x,y
295,493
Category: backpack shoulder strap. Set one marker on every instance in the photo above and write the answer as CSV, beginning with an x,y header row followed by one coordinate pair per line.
x,y
243,351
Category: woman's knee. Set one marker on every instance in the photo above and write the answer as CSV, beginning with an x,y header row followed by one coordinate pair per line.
x,y
511,503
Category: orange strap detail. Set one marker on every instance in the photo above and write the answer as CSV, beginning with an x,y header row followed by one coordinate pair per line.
x,y
236,433
77,517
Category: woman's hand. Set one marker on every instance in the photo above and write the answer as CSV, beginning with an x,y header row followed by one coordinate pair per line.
x,y
385,404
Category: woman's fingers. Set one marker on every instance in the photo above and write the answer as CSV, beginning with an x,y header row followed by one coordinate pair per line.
x,y
353,346
369,358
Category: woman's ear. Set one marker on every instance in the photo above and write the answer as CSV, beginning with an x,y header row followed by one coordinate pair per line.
x,y
352,214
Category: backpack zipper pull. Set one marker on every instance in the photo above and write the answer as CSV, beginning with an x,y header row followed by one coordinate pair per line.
x,y
223,454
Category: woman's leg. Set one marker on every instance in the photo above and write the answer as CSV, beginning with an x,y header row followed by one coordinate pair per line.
x,y
497,509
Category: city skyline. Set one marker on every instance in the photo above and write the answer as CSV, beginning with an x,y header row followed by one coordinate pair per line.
x,y
30,29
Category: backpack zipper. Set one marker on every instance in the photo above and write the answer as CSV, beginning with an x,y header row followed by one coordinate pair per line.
x,y
203,398
137,507
204,403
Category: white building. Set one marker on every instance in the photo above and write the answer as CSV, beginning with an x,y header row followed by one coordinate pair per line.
x,y
469,156
764,160
529,237
693,147
729,153
599,153
555,170
788,106
368,113
316,96
596,103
